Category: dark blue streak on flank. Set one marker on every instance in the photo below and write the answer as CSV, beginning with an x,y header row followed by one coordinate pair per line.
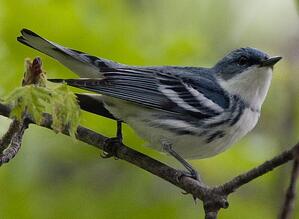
x,y
214,136
240,110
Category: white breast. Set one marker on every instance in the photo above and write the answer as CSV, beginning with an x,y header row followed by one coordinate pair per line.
x,y
246,123
252,85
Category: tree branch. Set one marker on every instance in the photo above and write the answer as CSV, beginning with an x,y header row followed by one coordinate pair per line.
x,y
11,142
260,170
7,137
214,198
289,202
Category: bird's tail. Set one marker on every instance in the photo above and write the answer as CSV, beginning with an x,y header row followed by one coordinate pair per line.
x,y
82,64
92,103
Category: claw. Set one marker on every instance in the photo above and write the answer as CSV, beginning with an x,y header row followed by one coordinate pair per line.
x,y
110,145
187,193
105,155
192,174
194,198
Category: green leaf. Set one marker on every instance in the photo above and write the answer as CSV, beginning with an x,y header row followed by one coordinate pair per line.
x,y
33,100
65,110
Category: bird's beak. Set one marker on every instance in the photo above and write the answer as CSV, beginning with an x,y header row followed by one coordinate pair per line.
x,y
270,62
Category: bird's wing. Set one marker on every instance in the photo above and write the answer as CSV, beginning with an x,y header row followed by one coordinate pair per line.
x,y
83,64
159,90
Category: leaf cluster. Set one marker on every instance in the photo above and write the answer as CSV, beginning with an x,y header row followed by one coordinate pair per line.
x,y
33,101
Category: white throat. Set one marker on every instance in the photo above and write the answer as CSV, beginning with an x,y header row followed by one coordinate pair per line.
x,y
252,85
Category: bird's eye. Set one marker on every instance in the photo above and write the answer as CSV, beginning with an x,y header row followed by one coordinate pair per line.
x,y
242,60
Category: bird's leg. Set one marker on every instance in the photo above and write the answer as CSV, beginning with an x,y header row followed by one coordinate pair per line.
x,y
191,171
119,134
111,144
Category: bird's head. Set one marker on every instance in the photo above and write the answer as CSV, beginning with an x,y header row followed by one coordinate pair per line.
x,y
246,72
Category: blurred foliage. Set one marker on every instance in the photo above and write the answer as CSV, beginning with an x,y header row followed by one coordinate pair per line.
x,y
55,177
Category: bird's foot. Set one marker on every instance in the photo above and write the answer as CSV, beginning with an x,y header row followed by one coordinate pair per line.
x,y
190,173
110,147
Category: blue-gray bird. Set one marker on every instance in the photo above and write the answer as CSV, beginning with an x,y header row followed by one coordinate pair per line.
x,y
189,112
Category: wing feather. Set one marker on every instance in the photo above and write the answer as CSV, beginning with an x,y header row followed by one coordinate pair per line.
x,y
159,90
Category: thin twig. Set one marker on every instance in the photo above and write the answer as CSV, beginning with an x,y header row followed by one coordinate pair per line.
x,y
289,202
15,143
260,170
7,137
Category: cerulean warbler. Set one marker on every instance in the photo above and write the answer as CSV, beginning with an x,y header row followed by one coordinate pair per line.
x,y
190,112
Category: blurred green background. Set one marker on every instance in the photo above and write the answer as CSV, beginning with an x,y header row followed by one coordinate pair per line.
x,y
54,176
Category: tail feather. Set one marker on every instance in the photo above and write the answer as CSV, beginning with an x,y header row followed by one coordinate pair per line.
x,y
82,64
92,103
78,82
90,84
55,80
